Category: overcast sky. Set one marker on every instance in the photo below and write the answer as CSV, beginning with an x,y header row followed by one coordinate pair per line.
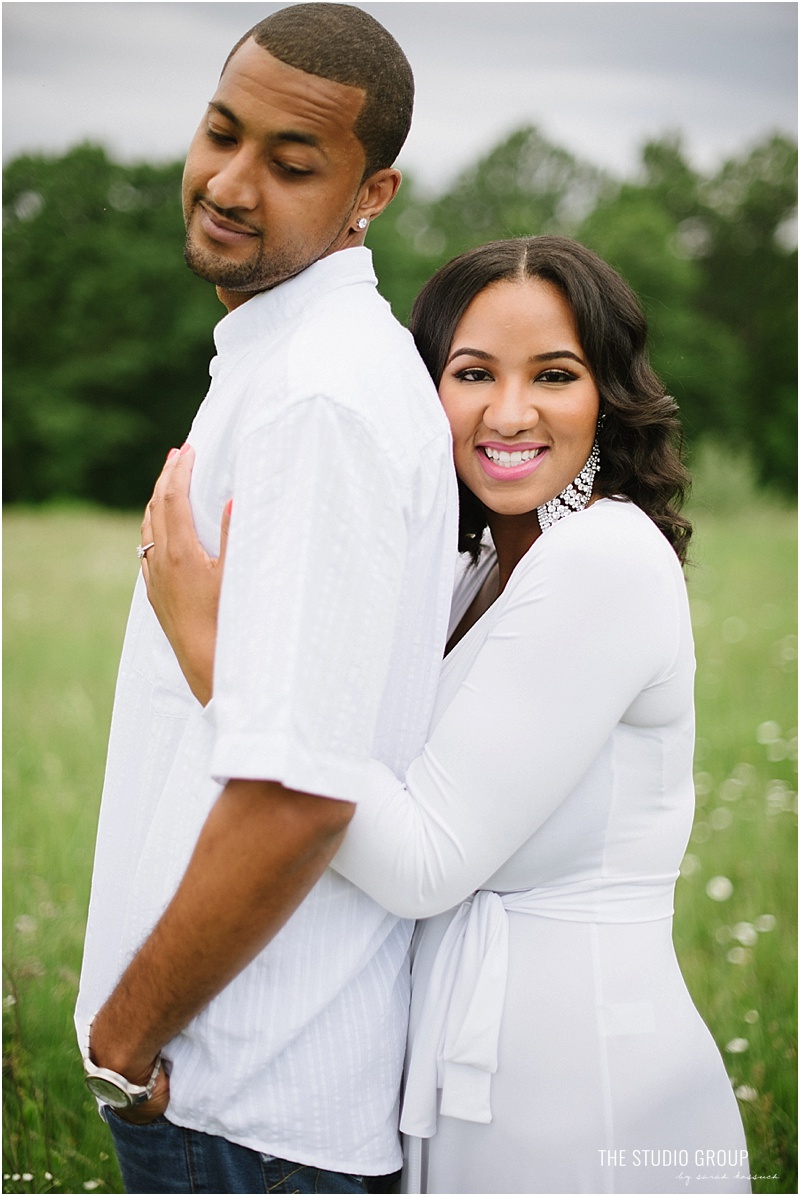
x,y
596,78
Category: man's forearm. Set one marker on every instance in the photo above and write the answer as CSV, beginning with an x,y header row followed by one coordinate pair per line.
x,y
261,850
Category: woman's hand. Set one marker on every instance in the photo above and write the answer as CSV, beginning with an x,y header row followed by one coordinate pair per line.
x,y
183,581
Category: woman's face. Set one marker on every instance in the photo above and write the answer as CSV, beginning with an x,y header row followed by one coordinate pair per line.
x,y
521,400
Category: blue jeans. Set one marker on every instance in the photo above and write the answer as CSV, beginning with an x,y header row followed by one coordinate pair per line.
x,y
162,1157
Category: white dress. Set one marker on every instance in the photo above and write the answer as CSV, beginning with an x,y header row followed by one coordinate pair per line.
x,y
553,1045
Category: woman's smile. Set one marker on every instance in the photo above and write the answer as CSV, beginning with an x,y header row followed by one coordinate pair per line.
x,y
510,462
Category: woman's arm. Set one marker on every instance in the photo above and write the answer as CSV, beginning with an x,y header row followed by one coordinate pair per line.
x,y
582,632
183,581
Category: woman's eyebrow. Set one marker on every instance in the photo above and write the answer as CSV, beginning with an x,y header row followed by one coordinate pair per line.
x,y
470,353
558,353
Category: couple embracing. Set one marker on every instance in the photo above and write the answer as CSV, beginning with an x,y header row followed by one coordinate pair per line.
x,y
359,693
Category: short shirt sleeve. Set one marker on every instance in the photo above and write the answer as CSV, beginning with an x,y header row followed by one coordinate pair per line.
x,y
316,558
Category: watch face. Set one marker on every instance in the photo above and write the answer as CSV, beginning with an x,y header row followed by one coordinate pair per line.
x,y
108,1091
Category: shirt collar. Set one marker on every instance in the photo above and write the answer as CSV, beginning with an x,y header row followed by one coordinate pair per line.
x,y
270,308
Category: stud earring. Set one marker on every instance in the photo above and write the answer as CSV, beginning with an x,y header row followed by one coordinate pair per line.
x,y
362,222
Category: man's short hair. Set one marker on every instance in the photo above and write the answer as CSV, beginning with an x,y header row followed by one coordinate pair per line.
x,y
346,45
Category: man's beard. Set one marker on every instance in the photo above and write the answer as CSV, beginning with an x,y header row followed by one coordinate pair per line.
x,y
259,273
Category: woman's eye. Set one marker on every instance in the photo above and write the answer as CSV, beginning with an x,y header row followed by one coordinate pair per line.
x,y
474,374
555,376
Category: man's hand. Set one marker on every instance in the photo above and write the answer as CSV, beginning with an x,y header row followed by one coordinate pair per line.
x,y
183,581
107,1053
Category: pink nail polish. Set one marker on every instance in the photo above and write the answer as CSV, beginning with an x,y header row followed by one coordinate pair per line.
x,y
229,506
173,452
185,448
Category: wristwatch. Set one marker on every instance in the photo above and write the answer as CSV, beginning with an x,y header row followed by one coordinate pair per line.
x,y
112,1088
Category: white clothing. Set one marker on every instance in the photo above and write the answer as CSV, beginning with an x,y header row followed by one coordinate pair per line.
x,y
323,424
551,1029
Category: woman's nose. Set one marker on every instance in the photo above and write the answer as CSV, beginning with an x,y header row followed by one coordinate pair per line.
x,y
511,409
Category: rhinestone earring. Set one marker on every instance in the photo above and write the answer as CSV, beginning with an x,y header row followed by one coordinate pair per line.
x,y
574,497
362,222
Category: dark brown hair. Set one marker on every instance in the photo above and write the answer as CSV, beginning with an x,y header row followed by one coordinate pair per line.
x,y
639,433
345,44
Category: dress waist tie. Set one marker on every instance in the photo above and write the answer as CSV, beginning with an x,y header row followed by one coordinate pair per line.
x,y
455,1047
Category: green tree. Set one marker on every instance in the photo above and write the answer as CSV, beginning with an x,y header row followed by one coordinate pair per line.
x,y
697,356
709,260
107,334
750,282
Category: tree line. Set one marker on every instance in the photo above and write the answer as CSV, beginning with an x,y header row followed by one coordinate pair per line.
x,y
108,335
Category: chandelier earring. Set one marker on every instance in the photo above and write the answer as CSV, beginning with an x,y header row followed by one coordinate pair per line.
x,y
573,497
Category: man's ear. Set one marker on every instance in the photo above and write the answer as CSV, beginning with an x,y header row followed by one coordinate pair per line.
x,y
376,193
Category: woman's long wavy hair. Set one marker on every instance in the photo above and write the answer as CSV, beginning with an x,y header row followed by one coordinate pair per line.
x,y
640,436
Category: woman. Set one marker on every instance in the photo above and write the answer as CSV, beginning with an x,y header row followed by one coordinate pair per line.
x,y
553,1044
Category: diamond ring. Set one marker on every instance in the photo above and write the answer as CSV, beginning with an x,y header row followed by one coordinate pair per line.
x,y
142,549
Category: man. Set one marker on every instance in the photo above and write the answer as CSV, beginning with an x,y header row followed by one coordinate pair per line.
x,y
219,942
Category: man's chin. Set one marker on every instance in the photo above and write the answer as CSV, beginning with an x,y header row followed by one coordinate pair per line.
x,y
222,273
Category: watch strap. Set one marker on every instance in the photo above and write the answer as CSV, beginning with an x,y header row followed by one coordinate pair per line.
x,y
137,1093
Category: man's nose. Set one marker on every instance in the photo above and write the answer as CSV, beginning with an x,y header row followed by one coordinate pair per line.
x,y
235,185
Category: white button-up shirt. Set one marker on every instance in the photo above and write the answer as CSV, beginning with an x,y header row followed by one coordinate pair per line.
x,y
324,426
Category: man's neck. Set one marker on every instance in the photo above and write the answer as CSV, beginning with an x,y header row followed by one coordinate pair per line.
x,y
233,299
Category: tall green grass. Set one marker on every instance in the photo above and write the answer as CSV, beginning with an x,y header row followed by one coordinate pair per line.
x,y
68,576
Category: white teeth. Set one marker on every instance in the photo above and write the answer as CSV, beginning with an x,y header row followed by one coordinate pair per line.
x,y
508,459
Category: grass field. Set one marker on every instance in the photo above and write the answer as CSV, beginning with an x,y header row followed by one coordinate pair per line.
x,y
67,580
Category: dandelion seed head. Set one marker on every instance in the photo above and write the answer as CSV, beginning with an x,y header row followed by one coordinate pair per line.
x,y
737,1046
745,1092
751,1017
701,832
734,630
768,732
703,783
778,797
732,789
745,933
91,1184
719,888
787,648
765,923
721,818
690,865
25,924
738,955
27,1177
723,934
701,612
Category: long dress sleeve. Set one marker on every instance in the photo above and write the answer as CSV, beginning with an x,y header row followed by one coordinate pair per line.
x,y
587,634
